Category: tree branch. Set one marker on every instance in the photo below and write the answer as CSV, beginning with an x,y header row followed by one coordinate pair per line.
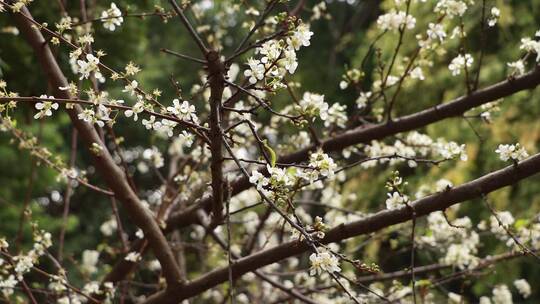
x,y
439,201
364,134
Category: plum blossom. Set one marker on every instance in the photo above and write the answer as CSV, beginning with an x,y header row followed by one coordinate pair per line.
x,y
454,298
517,67
395,200
531,46
459,63
300,37
322,262
137,108
436,32
112,17
258,179
523,287
154,156
313,105
255,72
23,264
131,87
86,67
499,223
417,73
502,295
361,101
183,110
8,284
443,185
323,163
109,227
133,257
514,152
452,149
451,8
45,107
395,20
494,17
89,261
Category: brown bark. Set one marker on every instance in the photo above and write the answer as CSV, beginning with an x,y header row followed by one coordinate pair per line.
x,y
424,206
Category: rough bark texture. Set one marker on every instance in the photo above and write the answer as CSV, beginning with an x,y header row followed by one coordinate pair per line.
x,y
366,134
440,201
216,72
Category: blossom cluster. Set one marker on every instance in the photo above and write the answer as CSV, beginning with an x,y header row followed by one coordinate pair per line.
x,y
280,180
459,63
513,152
277,57
413,145
112,17
395,21
24,262
323,261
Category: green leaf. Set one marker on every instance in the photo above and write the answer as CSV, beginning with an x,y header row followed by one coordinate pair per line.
x,y
271,152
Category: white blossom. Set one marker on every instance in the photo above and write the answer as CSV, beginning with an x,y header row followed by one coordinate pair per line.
x,y
255,72
131,87
336,116
45,107
451,8
361,101
395,200
133,257
502,295
436,32
112,17
322,163
89,261
417,73
313,105
459,63
523,287
300,37
502,221
484,300
109,227
452,149
8,284
494,16
258,179
183,110
532,46
86,67
154,156
323,261
460,255
514,152
454,298
137,108
517,67
443,185
278,177
23,264
395,20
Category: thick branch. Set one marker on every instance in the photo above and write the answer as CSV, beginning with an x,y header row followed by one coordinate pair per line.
x,y
216,72
483,263
439,201
113,175
365,134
